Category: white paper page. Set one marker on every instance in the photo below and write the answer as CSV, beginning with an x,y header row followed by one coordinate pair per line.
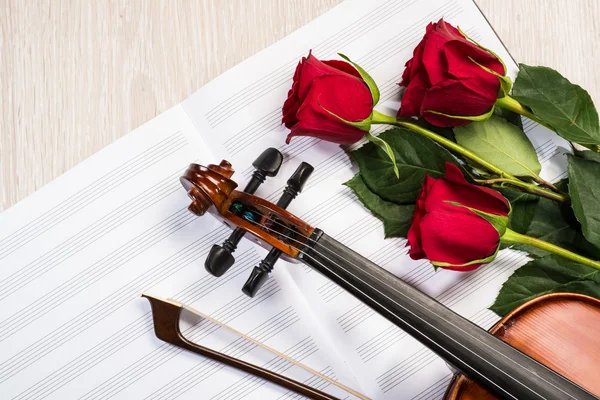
x,y
243,110
76,255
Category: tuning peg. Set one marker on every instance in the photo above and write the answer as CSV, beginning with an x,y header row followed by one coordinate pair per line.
x,y
260,273
220,258
295,184
267,164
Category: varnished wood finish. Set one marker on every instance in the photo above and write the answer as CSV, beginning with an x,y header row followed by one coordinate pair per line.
x,y
561,330
208,185
166,314
211,186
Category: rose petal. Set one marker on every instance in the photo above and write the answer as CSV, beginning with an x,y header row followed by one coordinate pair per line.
x,y
456,235
456,189
406,75
413,96
289,118
463,68
454,98
343,66
448,31
417,84
342,95
415,65
292,103
497,201
433,57
458,52
313,68
414,232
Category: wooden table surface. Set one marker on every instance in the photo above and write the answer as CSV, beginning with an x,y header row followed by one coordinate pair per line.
x,y
75,75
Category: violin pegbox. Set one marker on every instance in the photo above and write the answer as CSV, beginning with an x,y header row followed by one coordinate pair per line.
x,y
261,272
212,190
220,258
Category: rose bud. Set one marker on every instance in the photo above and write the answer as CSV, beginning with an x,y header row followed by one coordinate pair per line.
x,y
331,100
451,81
457,225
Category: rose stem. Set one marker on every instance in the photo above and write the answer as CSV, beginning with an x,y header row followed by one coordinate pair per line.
x,y
379,118
511,236
511,104
527,187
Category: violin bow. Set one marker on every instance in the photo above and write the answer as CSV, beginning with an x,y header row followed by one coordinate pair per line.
x,y
166,314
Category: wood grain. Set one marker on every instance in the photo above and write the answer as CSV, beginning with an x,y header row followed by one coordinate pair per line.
x,y
75,75
558,330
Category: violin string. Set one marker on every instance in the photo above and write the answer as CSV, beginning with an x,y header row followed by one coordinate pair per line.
x,y
408,298
396,316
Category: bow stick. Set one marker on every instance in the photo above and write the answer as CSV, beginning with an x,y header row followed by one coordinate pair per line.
x,y
166,315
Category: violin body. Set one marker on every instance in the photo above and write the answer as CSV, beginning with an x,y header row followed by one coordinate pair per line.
x,y
560,330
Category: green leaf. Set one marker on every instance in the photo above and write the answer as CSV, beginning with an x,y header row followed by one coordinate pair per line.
x,y
584,189
511,116
396,218
385,147
415,156
367,78
549,274
523,208
566,107
588,155
543,219
502,144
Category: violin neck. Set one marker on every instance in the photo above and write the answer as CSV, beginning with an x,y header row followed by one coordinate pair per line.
x,y
487,360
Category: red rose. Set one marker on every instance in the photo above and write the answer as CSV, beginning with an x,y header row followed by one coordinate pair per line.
x,y
457,225
449,75
325,97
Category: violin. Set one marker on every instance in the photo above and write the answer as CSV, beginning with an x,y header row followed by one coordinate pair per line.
x,y
555,329
546,349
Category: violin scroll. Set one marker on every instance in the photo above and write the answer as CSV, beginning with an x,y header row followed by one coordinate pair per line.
x,y
212,190
207,185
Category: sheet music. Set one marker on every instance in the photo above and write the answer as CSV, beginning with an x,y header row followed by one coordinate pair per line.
x,y
244,116
75,256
